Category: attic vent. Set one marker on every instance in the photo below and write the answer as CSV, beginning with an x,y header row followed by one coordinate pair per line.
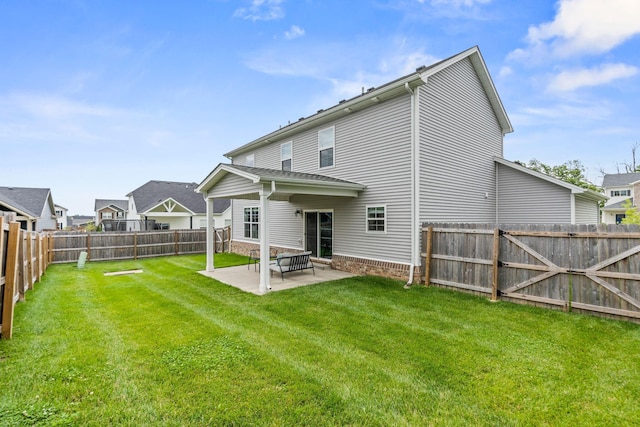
x,y
370,89
301,118
421,68
342,100
320,110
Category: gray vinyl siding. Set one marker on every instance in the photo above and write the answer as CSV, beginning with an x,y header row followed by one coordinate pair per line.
x,y
459,135
526,199
587,211
372,147
233,185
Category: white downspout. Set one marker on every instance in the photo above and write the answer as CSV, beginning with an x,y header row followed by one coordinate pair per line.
x,y
414,153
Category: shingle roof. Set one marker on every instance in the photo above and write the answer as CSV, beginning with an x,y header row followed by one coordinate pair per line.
x,y
619,179
28,200
619,205
153,193
103,203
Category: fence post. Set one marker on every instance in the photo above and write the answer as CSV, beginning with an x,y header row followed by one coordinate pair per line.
x,y
88,246
29,260
10,280
175,240
427,255
496,252
135,245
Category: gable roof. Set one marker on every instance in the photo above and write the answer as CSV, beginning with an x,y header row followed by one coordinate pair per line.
x,y
122,205
283,183
29,202
619,179
154,193
590,194
389,90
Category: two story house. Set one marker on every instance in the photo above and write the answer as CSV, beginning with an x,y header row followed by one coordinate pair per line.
x,y
61,217
110,214
353,183
622,189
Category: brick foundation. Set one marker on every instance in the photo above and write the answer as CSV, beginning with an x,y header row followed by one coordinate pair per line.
x,y
362,266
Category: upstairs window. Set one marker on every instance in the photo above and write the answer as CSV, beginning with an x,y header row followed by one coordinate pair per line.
x,y
376,219
615,193
106,215
251,219
326,145
250,160
286,156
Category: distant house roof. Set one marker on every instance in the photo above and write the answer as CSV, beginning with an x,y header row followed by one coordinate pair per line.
x,y
29,202
104,203
154,193
619,205
619,179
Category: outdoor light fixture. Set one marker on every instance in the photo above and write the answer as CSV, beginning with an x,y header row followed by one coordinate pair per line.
x,y
298,213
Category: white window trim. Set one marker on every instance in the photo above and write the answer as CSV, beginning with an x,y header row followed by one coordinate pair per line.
x,y
366,219
282,159
251,222
250,158
333,128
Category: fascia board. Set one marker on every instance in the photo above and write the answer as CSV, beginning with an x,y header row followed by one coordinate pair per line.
x,y
219,172
308,183
162,202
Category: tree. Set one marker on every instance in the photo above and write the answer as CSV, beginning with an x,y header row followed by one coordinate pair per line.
x,y
571,171
631,214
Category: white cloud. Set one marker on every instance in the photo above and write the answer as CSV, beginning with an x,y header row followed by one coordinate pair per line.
x,y
261,10
294,32
574,79
52,107
584,26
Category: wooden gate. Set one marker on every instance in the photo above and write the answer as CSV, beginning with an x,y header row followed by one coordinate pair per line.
x,y
586,268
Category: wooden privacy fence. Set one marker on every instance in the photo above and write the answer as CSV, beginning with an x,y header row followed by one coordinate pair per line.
x,y
102,246
23,260
589,268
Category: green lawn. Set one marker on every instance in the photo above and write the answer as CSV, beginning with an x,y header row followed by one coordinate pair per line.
x,y
171,347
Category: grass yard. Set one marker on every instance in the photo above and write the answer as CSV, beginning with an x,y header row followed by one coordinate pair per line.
x,y
171,347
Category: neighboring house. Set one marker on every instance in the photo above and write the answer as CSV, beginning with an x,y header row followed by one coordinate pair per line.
x,y
61,217
110,210
80,222
174,205
34,207
622,189
353,183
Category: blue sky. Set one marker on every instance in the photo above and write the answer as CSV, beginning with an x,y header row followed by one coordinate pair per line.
x,y
99,97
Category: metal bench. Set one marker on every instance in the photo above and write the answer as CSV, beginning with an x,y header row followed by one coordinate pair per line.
x,y
286,263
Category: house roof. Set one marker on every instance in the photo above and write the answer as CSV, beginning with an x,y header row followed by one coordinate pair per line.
x,y
619,179
154,193
618,205
122,205
574,188
283,183
29,202
387,91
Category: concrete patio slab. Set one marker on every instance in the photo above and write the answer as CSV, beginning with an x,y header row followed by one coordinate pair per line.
x,y
248,279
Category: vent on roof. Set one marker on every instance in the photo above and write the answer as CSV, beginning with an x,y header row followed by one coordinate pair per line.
x,y
341,101
421,68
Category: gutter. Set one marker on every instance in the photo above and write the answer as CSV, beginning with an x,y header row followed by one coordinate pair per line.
x,y
414,185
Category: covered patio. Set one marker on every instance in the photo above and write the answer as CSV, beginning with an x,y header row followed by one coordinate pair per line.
x,y
264,185
248,279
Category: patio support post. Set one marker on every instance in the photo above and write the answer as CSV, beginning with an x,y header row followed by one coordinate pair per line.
x,y
211,234
264,240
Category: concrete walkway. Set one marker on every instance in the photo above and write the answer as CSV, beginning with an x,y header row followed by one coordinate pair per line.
x,y
248,279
